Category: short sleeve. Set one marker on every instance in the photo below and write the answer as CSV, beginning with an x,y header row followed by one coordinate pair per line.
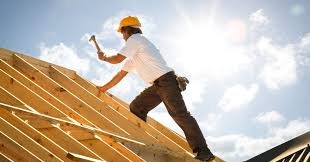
x,y
128,66
130,48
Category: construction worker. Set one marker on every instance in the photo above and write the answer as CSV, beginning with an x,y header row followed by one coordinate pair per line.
x,y
144,58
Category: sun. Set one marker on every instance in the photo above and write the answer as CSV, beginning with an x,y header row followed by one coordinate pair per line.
x,y
210,49
205,48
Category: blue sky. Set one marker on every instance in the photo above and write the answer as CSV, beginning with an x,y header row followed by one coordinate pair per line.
x,y
247,61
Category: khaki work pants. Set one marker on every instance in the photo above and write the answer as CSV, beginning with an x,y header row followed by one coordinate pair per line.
x,y
165,89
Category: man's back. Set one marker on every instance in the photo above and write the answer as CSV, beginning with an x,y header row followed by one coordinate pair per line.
x,y
144,58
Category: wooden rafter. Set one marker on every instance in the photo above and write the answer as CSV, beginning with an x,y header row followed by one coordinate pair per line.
x,y
11,150
64,115
85,133
122,107
43,93
65,96
99,106
25,141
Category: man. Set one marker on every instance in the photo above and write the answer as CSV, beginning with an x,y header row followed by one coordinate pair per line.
x,y
145,59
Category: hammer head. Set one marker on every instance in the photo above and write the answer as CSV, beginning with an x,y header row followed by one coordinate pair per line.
x,y
92,38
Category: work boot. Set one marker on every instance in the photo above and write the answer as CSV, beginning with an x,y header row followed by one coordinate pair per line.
x,y
205,154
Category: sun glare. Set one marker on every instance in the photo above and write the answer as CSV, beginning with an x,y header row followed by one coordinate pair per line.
x,y
212,51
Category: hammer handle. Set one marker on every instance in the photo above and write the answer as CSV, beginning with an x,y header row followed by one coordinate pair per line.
x,y
97,46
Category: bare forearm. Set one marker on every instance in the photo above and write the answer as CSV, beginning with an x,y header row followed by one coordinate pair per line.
x,y
115,59
111,59
115,80
112,83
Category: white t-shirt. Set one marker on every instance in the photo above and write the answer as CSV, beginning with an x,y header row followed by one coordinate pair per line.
x,y
143,58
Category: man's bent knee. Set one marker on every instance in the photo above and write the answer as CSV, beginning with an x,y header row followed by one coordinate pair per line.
x,y
137,111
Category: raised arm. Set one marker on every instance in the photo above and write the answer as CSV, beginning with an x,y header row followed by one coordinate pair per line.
x,y
112,59
115,80
115,59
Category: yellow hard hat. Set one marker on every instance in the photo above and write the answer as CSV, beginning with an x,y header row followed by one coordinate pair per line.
x,y
129,21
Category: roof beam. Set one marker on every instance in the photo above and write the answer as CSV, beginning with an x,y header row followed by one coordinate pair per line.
x,y
65,96
43,93
33,134
67,142
66,125
4,158
151,130
27,96
76,131
100,106
103,149
119,106
43,66
35,69
8,98
87,136
81,158
25,141
14,151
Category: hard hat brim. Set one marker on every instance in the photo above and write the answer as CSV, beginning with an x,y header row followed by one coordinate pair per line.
x,y
119,29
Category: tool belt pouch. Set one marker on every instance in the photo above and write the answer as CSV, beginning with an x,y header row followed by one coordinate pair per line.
x,y
182,82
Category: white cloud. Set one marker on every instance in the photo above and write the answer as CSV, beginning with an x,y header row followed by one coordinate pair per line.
x,y
239,147
108,30
269,117
193,93
160,114
293,128
280,67
164,118
237,96
304,50
281,62
210,123
64,56
258,19
305,43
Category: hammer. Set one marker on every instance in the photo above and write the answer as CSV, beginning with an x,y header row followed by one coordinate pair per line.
x,y
93,38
